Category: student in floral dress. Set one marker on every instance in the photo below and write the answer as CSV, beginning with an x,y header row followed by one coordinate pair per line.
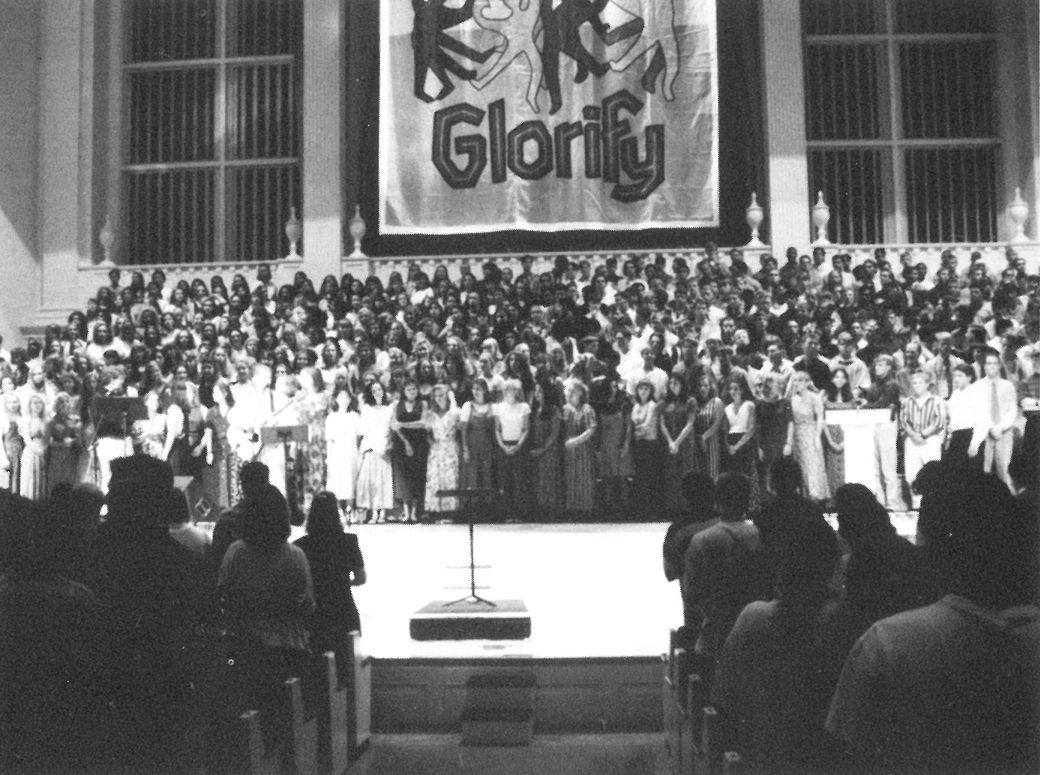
x,y
442,463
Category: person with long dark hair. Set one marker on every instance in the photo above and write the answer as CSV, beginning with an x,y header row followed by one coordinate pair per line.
x,y
885,573
780,664
739,431
612,440
477,421
547,465
267,595
677,416
837,396
646,484
337,566
375,482
410,449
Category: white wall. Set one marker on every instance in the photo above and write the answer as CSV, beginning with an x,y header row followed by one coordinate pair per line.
x,y
19,251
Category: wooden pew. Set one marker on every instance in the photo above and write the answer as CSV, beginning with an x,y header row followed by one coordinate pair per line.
x,y
360,698
711,752
295,750
334,719
673,700
691,720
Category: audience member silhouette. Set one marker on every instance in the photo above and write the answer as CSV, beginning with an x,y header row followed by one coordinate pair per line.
x,y
336,566
51,710
253,477
788,500
725,568
699,492
78,518
780,662
153,600
265,589
953,687
885,573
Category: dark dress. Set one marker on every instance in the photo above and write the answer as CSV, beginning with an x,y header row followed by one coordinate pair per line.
x,y
675,417
14,444
332,559
410,470
480,434
62,460
548,467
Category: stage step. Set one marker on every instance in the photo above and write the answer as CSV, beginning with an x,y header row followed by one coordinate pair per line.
x,y
506,691
499,710
471,620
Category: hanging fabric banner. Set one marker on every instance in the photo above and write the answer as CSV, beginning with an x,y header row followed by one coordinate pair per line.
x,y
547,115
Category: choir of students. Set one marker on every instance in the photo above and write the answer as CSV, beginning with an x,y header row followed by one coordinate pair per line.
x,y
540,385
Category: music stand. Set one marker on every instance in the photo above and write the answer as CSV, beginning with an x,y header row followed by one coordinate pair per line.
x,y
285,435
123,410
467,495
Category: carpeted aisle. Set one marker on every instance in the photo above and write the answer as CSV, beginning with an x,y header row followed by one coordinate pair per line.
x,y
605,754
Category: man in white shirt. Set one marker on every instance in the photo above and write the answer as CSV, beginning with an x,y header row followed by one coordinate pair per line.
x,y
996,405
940,369
859,374
777,369
651,373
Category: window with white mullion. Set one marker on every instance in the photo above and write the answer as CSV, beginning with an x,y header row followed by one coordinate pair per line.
x,y
912,122
211,164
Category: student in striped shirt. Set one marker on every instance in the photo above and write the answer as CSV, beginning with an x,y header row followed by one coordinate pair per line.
x,y
921,419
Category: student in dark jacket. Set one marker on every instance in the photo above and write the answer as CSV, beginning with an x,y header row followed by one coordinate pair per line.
x,y
336,567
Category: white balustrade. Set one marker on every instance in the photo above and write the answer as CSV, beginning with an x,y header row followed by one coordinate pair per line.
x,y
755,216
107,239
358,228
293,231
821,216
1018,214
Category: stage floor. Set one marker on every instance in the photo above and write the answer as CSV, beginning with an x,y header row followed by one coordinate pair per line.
x,y
593,590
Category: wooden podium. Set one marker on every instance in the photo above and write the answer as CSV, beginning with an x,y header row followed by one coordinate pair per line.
x,y
860,458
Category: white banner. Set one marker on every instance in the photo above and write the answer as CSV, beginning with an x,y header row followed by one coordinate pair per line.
x,y
547,115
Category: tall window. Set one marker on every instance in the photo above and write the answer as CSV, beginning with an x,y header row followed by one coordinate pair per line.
x,y
902,136
211,157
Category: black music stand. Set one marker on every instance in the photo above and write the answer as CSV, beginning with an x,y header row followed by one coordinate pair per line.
x,y
123,410
285,435
467,496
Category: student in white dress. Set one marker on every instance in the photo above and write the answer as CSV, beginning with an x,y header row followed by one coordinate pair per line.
x,y
341,440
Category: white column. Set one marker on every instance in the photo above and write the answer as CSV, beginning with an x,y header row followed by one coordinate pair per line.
x,y
20,59
65,131
1032,46
1016,117
322,138
781,22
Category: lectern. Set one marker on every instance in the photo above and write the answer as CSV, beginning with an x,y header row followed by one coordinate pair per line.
x,y
860,457
286,435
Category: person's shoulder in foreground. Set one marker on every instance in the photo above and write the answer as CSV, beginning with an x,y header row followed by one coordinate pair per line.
x,y
954,686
